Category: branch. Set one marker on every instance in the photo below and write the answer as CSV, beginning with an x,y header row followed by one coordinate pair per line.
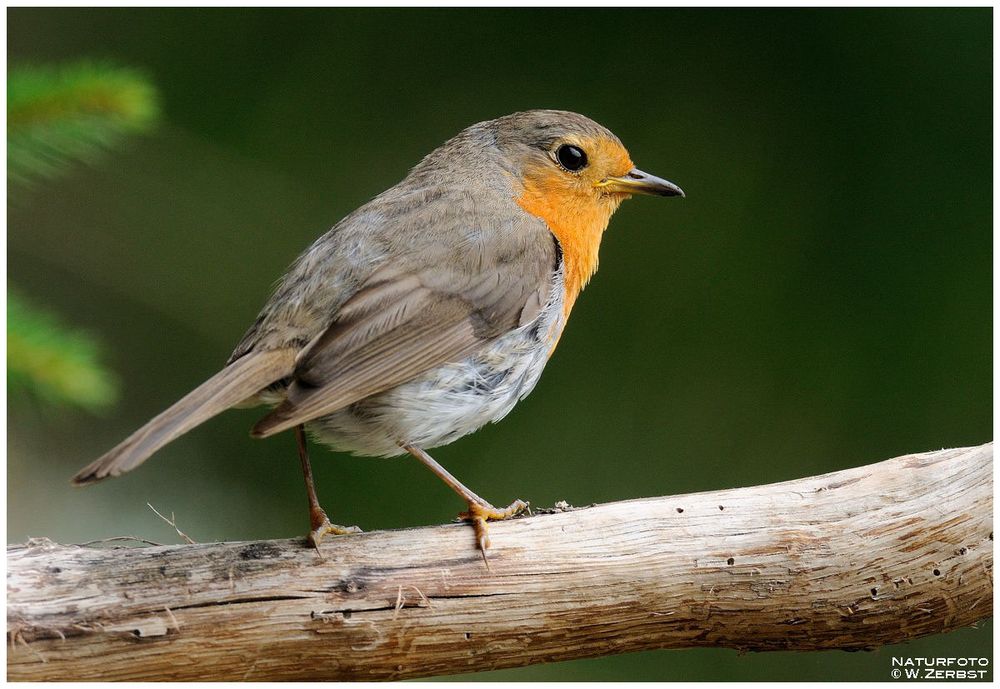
x,y
851,560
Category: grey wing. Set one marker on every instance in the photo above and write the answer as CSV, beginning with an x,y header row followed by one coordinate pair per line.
x,y
402,323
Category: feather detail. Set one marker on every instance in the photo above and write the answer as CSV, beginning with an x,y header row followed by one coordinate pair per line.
x,y
237,382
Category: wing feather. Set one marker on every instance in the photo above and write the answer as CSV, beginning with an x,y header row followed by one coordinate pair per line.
x,y
400,325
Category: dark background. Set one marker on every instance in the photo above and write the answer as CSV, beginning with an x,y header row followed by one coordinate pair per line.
x,y
821,300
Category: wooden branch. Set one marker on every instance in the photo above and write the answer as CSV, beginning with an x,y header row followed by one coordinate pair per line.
x,y
852,560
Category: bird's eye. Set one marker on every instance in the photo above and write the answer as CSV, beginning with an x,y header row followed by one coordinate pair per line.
x,y
571,157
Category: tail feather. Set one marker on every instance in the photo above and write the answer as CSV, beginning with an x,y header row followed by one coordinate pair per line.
x,y
238,381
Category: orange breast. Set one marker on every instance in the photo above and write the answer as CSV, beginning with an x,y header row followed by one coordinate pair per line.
x,y
576,219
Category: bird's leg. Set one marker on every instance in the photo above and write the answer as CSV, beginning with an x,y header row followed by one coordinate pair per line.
x,y
479,510
319,523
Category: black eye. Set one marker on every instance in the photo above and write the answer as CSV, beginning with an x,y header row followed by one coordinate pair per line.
x,y
571,157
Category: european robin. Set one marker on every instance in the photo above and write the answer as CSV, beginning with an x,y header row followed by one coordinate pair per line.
x,y
430,310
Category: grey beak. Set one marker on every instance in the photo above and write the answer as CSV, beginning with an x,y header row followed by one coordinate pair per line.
x,y
638,182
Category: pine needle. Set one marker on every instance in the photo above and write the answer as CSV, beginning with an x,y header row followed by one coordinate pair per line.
x,y
65,114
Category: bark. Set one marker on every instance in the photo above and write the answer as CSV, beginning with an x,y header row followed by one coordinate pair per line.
x,y
852,560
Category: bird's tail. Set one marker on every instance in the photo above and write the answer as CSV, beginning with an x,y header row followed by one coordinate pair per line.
x,y
237,382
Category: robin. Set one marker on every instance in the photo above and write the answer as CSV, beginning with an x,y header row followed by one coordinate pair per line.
x,y
427,312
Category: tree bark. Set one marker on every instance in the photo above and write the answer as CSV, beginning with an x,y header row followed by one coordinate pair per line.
x,y
852,560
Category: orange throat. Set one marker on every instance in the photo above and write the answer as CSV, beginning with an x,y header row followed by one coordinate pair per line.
x,y
577,220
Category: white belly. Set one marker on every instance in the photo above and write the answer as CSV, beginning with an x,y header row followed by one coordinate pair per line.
x,y
452,400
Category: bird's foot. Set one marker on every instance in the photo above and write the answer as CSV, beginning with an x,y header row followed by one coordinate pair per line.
x,y
321,526
481,512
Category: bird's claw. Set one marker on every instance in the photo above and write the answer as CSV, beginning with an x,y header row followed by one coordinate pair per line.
x,y
321,526
481,512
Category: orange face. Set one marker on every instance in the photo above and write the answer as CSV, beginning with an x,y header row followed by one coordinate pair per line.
x,y
573,202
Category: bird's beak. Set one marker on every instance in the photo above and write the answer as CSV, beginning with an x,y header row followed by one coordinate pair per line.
x,y
638,182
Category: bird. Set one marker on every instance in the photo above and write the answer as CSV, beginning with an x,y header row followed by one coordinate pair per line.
x,y
427,312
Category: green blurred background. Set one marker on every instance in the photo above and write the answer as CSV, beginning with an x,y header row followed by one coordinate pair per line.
x,y
821,300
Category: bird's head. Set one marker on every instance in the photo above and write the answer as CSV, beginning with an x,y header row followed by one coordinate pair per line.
x,y
573,174
573,157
